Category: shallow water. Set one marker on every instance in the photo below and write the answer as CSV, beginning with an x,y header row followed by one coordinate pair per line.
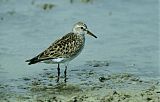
x,y
127,32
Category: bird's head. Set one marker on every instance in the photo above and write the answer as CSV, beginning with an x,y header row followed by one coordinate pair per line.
x,y
81,28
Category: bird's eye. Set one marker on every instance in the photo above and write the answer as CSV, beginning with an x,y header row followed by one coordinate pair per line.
x,y
81,27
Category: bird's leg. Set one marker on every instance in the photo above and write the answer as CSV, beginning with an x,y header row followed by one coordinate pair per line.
x,y
65,74
58,69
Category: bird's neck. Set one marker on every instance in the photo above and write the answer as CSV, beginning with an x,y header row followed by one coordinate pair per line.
x,y
81,36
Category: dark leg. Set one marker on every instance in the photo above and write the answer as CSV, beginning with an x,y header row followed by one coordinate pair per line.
x,y
65,74
58,69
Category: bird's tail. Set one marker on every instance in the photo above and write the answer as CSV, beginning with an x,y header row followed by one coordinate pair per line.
x,y
32,61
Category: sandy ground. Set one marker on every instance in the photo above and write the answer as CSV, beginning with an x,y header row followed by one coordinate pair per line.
x,y
83,85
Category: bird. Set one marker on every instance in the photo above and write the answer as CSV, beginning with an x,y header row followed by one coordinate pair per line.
x,y
64,49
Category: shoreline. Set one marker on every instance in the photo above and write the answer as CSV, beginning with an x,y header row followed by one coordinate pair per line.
x,y
83,85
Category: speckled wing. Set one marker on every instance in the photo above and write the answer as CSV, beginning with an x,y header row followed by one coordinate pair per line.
x,y
66,47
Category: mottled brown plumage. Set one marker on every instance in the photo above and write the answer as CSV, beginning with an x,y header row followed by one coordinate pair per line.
x,y
65,47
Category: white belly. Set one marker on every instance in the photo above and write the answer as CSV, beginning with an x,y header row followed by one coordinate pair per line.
x,y
54,61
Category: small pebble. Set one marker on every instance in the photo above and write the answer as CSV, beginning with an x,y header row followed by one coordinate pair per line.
x,y
26,79
102,79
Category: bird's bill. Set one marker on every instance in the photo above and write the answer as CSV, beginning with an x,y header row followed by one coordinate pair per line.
x,y
90,33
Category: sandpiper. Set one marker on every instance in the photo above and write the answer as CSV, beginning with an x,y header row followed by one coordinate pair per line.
x,y
64,49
